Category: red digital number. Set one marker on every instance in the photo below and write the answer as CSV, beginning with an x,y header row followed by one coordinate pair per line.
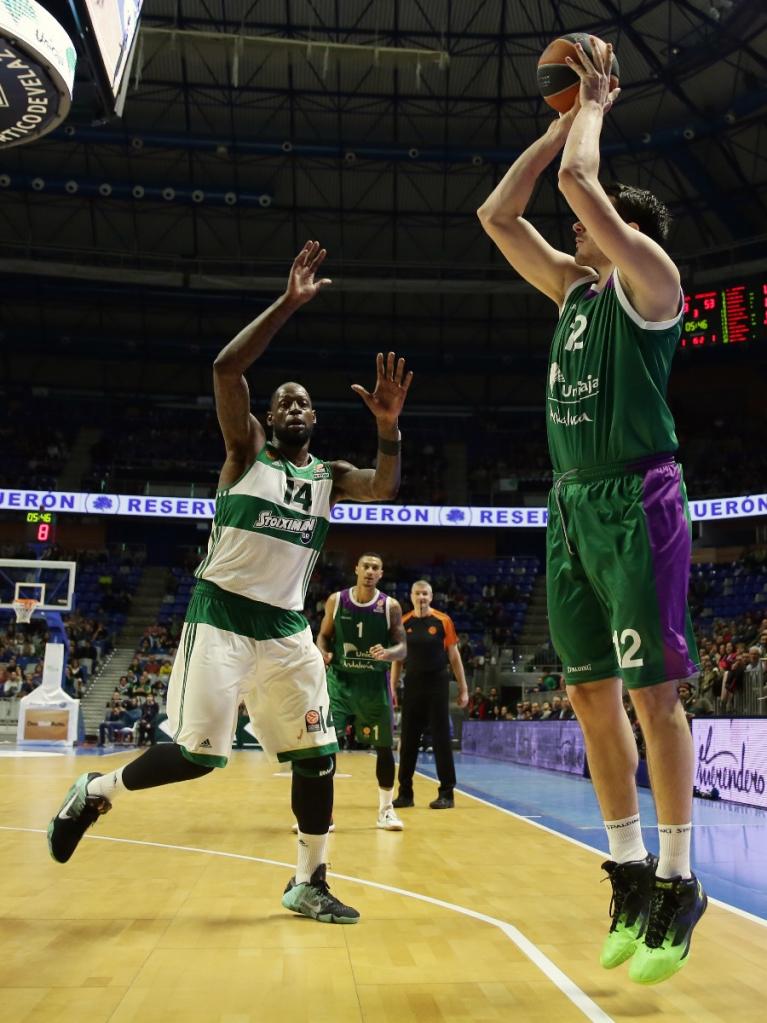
x,y
43,532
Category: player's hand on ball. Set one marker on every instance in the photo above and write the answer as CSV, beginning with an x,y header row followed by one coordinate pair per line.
x,y
594,74
566,119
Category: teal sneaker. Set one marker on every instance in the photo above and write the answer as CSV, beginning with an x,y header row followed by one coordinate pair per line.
x,y
676,905
312,898
629,907
74,817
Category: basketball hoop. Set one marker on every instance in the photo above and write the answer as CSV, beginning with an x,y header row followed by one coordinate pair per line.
x,y
24,608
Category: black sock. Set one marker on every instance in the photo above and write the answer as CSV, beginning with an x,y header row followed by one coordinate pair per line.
x,y
385,767
162,764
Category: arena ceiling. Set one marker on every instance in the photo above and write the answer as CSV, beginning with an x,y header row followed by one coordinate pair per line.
x,y
377,126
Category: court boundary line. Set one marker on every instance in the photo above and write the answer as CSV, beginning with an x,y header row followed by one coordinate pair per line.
x,y
590,848
529,949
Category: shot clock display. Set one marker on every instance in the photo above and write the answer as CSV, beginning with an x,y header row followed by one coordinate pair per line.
x,y
41,526
731,315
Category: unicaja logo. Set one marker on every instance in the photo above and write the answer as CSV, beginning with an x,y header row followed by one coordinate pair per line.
x,y
556,376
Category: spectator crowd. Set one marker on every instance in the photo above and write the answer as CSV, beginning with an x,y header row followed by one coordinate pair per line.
x,y
133,709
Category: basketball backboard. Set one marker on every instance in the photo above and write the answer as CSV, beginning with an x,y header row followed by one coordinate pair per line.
x,y
52,583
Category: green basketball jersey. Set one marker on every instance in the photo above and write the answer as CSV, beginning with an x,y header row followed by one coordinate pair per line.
x,y
357,628
608,372
269,528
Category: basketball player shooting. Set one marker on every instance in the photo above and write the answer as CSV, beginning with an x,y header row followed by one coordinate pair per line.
x,y
244,635
618,541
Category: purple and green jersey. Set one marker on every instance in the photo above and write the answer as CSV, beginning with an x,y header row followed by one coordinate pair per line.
x,y
619,539
358,684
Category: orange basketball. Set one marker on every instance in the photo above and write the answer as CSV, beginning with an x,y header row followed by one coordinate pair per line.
x,y
557,82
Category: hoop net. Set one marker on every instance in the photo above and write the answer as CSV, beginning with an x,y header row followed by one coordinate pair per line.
x,y
24,608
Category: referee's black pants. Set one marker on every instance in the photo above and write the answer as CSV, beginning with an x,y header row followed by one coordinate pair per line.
x,y
426,706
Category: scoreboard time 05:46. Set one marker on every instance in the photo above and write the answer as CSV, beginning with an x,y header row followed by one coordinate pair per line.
x,y
41,526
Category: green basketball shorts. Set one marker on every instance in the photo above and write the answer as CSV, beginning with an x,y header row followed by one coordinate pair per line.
x,y
366,701
617,570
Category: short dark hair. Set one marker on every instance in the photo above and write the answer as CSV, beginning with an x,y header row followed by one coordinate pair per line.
x,y
279,387
643,208
369,554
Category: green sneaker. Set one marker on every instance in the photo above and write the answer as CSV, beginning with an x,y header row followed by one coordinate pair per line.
x,y
74,817
676,905
312,898
629,906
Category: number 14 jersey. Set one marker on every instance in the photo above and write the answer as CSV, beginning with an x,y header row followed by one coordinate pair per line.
x,y
268,530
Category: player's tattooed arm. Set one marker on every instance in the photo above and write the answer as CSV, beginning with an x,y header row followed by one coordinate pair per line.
x,y
327,631
243,434
398,650
386,401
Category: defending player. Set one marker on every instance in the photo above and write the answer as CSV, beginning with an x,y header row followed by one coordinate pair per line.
x,y
360,635
618,543
244,635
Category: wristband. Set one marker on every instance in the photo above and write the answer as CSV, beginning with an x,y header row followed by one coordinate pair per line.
x,y
390,447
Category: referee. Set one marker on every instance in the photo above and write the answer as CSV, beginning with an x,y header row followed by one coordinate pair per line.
x,y
432,644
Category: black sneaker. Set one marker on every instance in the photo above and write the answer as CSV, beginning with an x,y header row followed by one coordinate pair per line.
x,y
442,803
630,904
312,898
75,816
676,905
402,802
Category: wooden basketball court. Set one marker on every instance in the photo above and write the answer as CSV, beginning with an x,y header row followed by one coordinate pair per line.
x,y
171,911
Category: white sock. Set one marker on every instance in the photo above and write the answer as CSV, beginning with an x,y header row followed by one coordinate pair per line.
x,y
108,785
311,854
674,859
625,838
385,797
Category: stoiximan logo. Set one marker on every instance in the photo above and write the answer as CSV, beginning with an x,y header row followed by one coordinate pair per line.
x,y
303,528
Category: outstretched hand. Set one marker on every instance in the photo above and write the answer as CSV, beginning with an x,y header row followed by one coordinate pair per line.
x,y
391,389
302,286
594,73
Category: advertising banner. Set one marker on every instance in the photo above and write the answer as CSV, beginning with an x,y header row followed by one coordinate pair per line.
x,y
37,70
555,745
457,516
731,757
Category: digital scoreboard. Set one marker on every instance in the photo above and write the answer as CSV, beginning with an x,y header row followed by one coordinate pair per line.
x,y
731,315
41,527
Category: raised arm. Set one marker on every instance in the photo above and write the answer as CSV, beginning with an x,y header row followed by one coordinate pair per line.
x,y
398,649
326,635
647,273
243,434
543,266
386,401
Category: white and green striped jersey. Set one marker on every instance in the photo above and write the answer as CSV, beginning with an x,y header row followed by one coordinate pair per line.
x,y
268,530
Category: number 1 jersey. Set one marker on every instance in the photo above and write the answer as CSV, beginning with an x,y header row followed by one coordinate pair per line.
x,y
358,627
